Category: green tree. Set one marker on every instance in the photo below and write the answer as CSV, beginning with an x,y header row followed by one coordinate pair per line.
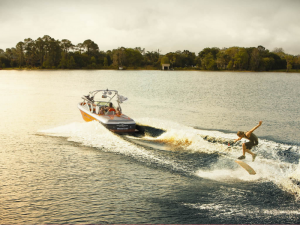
x,y
79,47
119,57
208,58
188,58
297,62
71,63
165,60
20,53
267,63
66,45
31,57
289,62
133,57
11,55
230,65
221,60
105,63
64,61
91,47
151,58
214,51
93,62
255,60
208,62
241,59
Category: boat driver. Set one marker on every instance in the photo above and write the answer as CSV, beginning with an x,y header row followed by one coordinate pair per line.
x,y
110,108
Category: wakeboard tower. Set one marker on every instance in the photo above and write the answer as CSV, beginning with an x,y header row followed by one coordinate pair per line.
x,y
104,106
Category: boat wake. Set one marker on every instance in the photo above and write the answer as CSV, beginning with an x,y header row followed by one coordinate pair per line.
x,y
191,151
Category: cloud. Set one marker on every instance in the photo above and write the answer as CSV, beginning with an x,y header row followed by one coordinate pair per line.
x,y
169,25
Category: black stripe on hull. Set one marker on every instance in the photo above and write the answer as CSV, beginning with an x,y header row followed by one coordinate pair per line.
x,y
120,128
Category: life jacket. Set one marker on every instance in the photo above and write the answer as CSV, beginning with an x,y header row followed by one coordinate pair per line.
x,y
118,113
253,138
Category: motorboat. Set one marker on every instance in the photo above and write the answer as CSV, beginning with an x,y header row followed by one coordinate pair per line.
x,y
104,106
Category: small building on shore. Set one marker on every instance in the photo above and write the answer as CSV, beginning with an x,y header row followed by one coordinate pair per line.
x,y
165,63
165,66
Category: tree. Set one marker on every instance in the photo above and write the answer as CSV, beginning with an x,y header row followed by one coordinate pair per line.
x,y
297,62
255,60
11,55
280,52
267,63
20,53
63,62
142,51
71,63
133,57
109,56
93,62
91,47
165,60
105,62
151,58
214,51
208,62
119,57
188,58
31,57
40,51
79,47
221,60
208,57
241,59
289,62
66,45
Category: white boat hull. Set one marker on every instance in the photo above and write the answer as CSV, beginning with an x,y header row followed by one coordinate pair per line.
x,y
114,123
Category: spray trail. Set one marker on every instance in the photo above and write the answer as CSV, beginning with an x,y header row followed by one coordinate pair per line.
x,y
196,152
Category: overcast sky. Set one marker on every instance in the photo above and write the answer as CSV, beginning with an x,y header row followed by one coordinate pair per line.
x,y
168,25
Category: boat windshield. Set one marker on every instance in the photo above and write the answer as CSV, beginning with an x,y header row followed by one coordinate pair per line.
x,y
100,103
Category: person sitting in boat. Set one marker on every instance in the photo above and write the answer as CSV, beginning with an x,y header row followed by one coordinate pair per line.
x,y
110,108
101,111
118,112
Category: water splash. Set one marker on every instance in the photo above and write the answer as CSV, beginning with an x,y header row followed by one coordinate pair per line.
x,y
276,162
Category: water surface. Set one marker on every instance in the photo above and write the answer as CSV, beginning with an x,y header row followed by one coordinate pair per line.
x,y
55,168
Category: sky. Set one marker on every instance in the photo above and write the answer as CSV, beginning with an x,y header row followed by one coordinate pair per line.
x,y
167,25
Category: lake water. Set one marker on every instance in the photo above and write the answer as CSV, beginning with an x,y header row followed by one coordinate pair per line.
x,y
56,168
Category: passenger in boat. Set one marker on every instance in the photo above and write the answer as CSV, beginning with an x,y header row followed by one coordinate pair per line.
x,y
101,111
253,141
118,112
110,108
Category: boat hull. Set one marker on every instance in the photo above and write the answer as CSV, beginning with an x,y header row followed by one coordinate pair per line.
x,y
114,123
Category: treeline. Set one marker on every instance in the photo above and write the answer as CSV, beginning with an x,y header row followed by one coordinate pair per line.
x,y
48,53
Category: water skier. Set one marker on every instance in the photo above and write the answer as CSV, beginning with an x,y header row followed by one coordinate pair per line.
x,y
253,141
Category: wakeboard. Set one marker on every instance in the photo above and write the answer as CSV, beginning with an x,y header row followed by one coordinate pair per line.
x,y
248,168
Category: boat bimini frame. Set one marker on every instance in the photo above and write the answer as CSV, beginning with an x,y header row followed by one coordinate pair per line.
x,y
110,94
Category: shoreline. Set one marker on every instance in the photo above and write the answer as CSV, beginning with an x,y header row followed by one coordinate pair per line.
x,y
144,69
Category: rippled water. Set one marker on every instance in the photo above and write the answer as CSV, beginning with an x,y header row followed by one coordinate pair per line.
x,y
55,168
